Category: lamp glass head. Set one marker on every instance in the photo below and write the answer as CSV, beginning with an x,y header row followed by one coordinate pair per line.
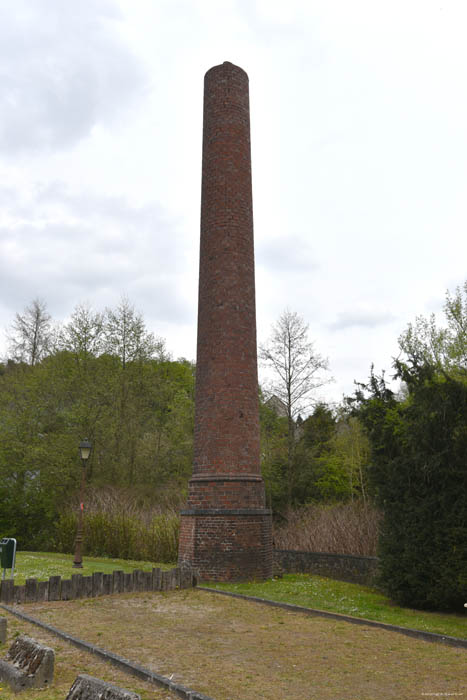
x,y
85,449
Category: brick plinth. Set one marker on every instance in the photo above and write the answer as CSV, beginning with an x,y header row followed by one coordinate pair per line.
x,y
226,529
228,545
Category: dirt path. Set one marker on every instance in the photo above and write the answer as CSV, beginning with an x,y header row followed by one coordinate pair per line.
x,y
235,650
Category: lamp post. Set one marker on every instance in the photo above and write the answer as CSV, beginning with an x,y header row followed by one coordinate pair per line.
x,y
84,451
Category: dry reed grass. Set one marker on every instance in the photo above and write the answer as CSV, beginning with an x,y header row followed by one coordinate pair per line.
x,y
119,523
344,528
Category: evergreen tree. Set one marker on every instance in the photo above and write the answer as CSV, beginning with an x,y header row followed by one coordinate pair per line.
x,y
418,462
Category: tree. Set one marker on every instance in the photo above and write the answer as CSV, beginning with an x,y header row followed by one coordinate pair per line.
x,y
38,448
126,338
125,335
273,432
425,343
344,466
83,335
122,391
297,368
420,481
318,429
418,474
30,337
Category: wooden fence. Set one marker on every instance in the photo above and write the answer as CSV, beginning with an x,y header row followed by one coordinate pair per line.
x,y
79,586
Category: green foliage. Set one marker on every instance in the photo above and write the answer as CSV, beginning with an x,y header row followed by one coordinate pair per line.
x,y
424,343
312,455
344,467
420,480
330,458
105,377
419,447
125,335
121,391
273,431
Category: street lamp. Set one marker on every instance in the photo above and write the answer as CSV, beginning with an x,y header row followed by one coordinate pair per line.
x,y
84,452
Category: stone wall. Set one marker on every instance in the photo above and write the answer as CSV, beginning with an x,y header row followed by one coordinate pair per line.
x,y
79,586
343,567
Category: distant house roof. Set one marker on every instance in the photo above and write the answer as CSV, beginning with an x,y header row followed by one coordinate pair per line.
x,y
277,405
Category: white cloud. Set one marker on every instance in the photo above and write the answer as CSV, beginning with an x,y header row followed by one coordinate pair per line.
x,y
63,70
78,245
363,319
359,149
286,255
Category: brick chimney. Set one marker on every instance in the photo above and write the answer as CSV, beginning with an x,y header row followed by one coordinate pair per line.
x,y
225,528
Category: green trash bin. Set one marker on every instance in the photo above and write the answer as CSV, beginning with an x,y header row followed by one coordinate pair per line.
x,y
7,554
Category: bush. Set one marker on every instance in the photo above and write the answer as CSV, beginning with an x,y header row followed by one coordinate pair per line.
x,y
27,518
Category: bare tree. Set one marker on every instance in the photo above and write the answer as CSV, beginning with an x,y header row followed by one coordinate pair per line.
x,y
298,373
30,336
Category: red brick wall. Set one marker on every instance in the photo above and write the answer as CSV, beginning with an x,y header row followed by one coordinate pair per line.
x,y
226,492
233,547
226,467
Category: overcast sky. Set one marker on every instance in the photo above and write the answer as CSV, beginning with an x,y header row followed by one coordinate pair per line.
x,y
359,155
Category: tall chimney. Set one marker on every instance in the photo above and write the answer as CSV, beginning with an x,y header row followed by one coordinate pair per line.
x,y
226,529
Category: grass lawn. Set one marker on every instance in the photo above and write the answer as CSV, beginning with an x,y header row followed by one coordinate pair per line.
x,y
299,589
350,599
231,649
41,565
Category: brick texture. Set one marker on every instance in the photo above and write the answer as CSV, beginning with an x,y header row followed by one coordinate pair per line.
x,y
226,529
